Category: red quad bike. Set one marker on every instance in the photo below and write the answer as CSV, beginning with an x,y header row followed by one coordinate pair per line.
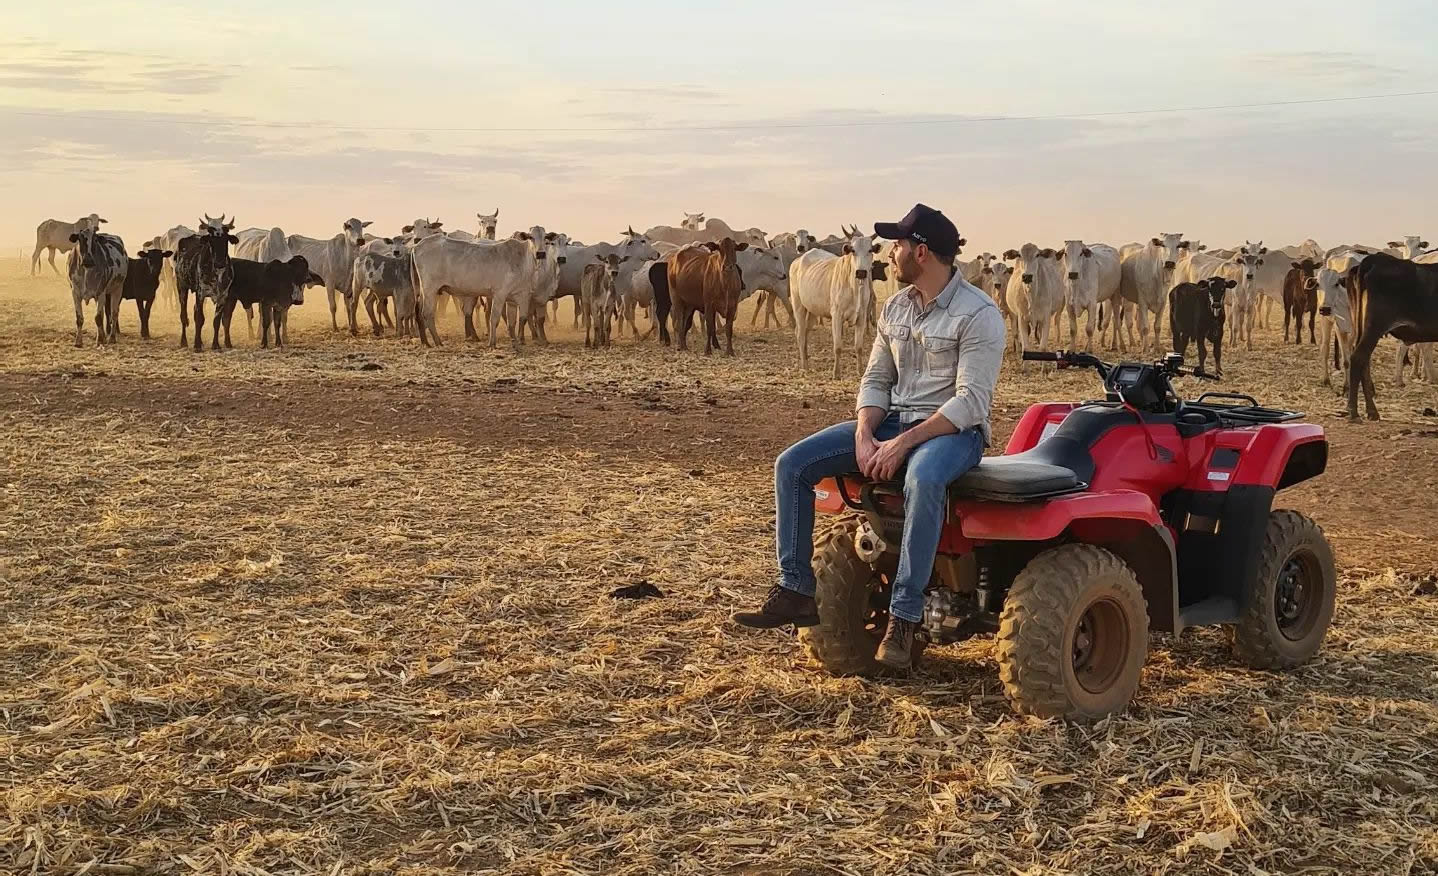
x,y
1101,521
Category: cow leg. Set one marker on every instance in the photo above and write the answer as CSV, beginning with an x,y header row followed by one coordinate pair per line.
x,y
373,318
466,309
229,313
142,312
199,322
1402,361
334,319
249,324
113,313
384,317
1358,376
760,298
496,310
53,250
184,318
215,327
100,319
1090,324
265,326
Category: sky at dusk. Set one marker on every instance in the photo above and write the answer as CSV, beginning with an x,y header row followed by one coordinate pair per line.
x,y
301,114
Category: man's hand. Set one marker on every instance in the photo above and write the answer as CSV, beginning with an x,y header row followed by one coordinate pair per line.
x,y
889,457
865,446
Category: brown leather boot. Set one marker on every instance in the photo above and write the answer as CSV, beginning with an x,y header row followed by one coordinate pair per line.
x,y
781,608
897,649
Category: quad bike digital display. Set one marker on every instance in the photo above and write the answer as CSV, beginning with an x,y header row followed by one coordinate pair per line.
x,y
1101,521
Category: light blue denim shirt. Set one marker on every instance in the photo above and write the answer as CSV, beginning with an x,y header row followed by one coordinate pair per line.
x,y
944,357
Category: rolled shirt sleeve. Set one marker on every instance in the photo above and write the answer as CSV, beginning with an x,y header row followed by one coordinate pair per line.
x,y
877,385
981,353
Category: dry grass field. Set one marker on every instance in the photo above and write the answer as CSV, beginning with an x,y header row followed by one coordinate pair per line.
x,y
345,609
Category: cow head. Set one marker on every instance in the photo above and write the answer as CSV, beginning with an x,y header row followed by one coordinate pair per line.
x,y
637,247
692,221
488,224
763,268
1029,261
1073,255
154,259
218,228
803,240
1169,248
1411,246
1216,288
354,231
84,240
295,273
1254,247
1001,274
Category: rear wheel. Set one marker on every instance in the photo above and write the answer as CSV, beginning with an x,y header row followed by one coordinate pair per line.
x,y
1073,635
1291,602
853,602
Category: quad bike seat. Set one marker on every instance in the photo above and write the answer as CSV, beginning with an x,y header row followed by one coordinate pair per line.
x,y
1055,466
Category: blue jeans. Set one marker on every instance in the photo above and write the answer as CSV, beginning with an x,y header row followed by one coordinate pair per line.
x,y
927,473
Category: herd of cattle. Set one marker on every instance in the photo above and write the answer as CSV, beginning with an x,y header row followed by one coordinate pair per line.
x,y
705,268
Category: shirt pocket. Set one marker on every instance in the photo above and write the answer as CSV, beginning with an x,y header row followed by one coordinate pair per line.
x,y
941,354
899,340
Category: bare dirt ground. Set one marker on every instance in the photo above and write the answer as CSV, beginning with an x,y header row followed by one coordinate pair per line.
x,y
344,609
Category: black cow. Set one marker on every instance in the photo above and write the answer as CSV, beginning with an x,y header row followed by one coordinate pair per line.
x,y
140,283
1299,298
274,286
1388,296
1196,313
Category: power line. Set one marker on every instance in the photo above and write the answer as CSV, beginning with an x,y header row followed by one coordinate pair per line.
x,y
739,126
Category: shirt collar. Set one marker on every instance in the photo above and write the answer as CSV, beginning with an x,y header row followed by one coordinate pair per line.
x,y
944,297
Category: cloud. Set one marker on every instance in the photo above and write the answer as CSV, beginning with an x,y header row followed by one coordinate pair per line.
x,y
108,72
224,145
1329,67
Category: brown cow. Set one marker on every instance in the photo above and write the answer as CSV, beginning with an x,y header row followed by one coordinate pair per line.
x,y
1298,299
705,280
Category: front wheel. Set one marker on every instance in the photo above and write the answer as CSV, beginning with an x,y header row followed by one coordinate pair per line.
x,y
1073,635
1291,601
853,602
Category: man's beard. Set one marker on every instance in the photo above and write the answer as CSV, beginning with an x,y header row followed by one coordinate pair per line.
x,y
908,268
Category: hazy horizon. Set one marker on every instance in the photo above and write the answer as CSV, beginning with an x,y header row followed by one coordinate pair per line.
x,y
160,114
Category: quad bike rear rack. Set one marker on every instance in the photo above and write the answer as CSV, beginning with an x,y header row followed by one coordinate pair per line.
x,y
1249,413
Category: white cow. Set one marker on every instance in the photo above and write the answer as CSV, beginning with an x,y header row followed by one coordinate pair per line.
x,y
334,260
488,224
997,287
1336,316
973,270
501,270
840,286
1035,294
695,229
790,245
1145,277
1091,277
54,235
633,248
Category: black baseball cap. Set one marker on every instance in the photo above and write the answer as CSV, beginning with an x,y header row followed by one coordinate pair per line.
x,y
924,225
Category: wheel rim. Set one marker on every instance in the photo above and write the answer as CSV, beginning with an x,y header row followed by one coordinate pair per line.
x,y
1100,646
1298,597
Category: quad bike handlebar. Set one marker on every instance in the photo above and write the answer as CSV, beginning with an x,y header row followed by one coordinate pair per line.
x,y
1171,364
1145,385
